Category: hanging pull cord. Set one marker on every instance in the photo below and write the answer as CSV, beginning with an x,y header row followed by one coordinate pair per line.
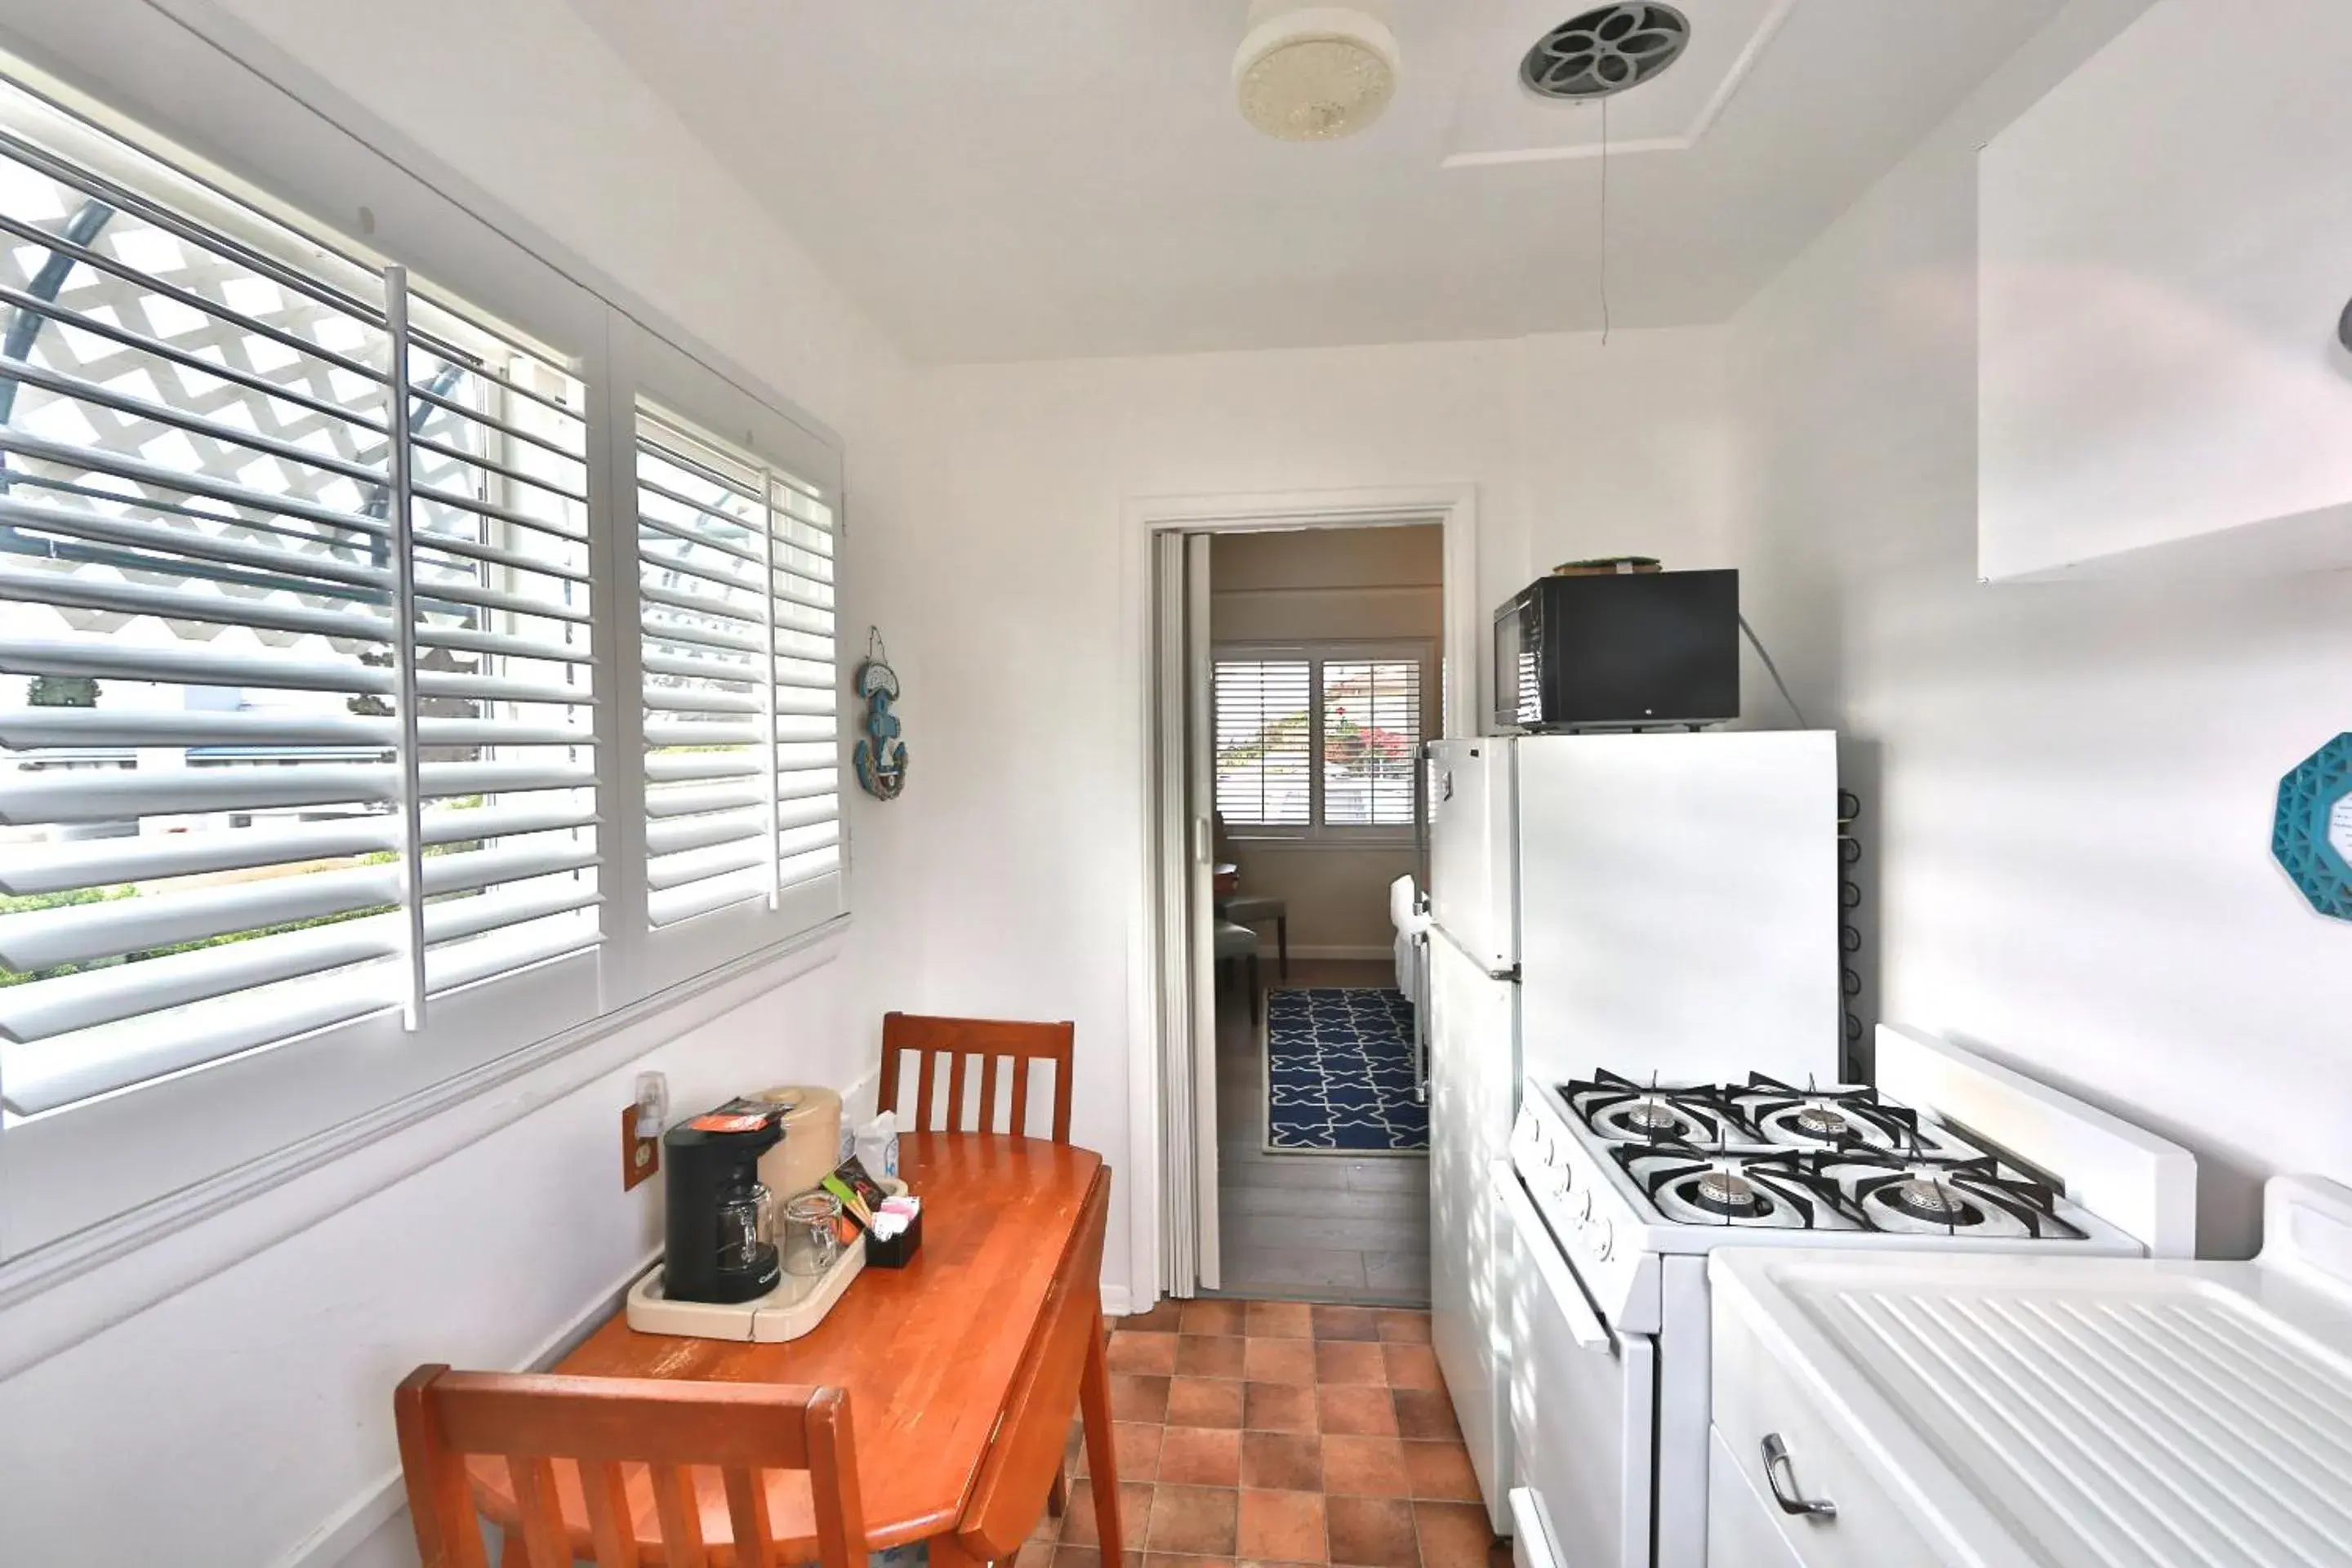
x,y
1774,670
1604,226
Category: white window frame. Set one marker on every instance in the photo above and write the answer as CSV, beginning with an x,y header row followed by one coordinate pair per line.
x,y
86,1182
1318,833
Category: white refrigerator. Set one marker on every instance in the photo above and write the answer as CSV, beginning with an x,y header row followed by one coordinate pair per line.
x,y
1658,904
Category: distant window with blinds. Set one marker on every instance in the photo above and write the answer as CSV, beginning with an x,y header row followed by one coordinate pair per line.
x,y
1318,737
1371,737
743,788
1265,723
262,728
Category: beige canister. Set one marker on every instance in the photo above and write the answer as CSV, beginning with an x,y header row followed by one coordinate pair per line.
x,y
811,1146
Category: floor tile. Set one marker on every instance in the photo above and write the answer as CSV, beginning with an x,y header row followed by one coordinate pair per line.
x,y
1034,1554
1372,1532
1280,1361
1204,1402
1347,1323
1425,1413
1278,1407
1196,1522
1078,1528
1440,1471
1349,1361
1200,1457
1169,1560
1404,1328
1364,1467
1214,1317
1282,1461
1357,1412
1282,1527
1137,1398
1087,1557
1162,1320
1281,1320
1453,1534
1135,1448
1151,1354
1412,1366
1204,1355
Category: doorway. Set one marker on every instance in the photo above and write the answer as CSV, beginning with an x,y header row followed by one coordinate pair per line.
x,y
1299,664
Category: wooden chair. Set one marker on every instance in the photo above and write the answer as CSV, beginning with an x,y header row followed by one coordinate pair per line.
x,y
656,1428
959,1039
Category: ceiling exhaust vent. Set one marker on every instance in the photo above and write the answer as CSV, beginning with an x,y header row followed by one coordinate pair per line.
x,y
1606,50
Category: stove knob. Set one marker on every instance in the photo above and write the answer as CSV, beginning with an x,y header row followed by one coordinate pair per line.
x,y
1603,1237
1581,1206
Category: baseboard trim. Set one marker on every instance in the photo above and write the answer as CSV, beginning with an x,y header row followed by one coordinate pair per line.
x,y
1364,954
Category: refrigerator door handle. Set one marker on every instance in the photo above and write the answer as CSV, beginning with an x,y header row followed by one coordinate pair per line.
x,y
1511,974
1423,980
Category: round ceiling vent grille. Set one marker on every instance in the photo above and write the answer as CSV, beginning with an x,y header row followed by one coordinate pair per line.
x,y
1606,50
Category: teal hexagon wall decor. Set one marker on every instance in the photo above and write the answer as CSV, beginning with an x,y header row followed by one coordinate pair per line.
x,y
2312,835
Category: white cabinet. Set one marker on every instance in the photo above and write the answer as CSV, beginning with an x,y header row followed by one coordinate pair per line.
x,y
2165,248
1740,1530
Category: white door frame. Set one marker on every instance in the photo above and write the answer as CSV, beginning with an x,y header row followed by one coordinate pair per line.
x,y
1454,509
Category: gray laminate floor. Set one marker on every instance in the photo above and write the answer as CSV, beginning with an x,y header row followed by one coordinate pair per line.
x,y
1320,1227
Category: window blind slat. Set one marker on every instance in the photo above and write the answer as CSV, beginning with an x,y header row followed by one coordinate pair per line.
x,y
1262,725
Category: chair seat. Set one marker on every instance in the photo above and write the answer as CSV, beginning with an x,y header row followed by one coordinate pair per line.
x,y
1234,940
1255,910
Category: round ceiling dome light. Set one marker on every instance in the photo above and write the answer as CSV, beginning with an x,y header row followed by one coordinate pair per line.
x,y
1314,73
1604,51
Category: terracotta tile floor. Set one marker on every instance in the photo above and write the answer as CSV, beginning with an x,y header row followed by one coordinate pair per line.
x,y
1273,1432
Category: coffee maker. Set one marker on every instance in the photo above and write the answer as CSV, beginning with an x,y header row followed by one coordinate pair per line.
x,y
721,1240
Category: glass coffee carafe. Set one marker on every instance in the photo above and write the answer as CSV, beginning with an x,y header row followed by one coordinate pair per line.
x,y
747,1230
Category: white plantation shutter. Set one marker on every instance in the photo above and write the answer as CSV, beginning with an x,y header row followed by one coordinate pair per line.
x,y
742,760
205,670
1371,742
1265,771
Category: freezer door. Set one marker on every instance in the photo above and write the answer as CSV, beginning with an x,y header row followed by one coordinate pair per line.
x,y
1679,904
1471,889
1473,1077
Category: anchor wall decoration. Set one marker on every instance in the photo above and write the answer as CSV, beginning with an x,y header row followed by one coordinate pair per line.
x,y
880,757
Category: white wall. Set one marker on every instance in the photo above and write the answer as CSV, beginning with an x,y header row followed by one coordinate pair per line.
x,y
1025,598
245,1420
2069,787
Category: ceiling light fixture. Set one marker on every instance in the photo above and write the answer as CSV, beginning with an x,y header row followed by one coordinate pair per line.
x,y
1314,73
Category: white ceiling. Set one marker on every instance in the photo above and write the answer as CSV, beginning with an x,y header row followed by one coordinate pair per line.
x,y
1035,179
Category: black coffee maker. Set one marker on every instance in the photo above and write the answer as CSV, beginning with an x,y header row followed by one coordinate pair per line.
x,y
721,1224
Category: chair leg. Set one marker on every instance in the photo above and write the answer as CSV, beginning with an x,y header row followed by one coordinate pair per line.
x,y
1256,998
1058,1499
1282,943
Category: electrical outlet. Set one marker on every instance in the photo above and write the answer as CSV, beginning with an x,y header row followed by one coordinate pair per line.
x,y
640,1156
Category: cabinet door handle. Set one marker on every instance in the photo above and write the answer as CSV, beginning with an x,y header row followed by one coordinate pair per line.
x,y
1784,1491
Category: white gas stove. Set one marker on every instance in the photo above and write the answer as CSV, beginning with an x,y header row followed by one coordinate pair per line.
x,y
1617,1189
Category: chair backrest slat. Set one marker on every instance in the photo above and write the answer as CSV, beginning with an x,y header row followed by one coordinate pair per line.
x,y
609,1522
988,1038
535,1424
681,1517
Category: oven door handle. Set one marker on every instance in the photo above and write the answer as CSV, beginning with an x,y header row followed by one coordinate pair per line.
x,y
1584,1324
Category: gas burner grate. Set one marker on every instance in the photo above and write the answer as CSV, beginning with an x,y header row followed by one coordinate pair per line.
x,y
1952,1195
1840,1117
1623,1111
1785,1190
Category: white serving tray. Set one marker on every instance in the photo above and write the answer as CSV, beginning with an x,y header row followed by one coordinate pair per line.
x,y
797,1304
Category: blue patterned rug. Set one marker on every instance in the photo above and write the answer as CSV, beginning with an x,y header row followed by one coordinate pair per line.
x,y
1339,1068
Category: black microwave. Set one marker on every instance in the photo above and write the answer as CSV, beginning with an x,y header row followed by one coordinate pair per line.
x,y
1618,651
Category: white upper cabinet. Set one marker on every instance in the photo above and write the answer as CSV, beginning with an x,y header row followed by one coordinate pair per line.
x,y
2165,250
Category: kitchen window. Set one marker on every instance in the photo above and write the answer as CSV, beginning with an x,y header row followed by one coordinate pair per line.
x,y
317,592
1320,742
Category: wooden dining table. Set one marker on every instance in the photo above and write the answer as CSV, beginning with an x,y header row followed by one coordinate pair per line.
x,y
962,1368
